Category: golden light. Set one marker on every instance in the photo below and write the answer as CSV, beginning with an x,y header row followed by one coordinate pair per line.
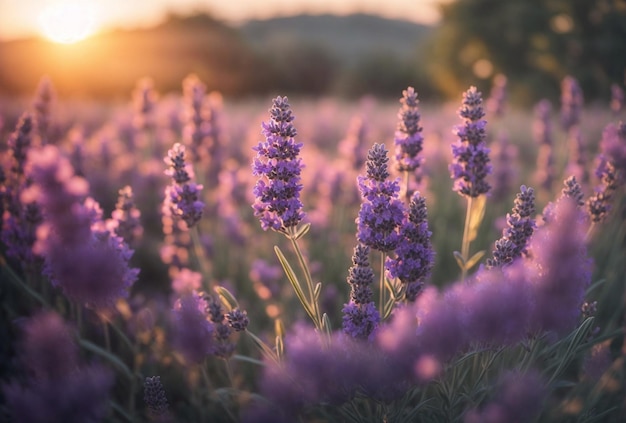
x,y
68,22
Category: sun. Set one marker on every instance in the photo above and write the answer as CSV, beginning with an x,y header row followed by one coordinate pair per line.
x,y
67,22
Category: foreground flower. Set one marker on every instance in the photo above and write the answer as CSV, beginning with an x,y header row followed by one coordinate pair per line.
x,y
408,137
278,165
414,255
471,165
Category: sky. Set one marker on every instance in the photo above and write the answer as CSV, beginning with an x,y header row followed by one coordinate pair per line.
x,y
23,18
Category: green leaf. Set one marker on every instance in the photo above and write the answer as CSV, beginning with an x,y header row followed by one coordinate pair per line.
x,y
265,350
477,213
316,291
326,325
474,259
459,259
280,347
302,231
227,298
294,283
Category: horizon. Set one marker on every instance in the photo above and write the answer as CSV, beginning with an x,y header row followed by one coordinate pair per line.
x,y
26,19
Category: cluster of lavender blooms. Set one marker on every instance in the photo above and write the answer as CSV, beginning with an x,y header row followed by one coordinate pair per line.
x,y
520,226
88,262
183,195
471,164
408,137
278,164
539,294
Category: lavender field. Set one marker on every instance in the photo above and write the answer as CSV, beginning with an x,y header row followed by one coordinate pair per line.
x,y
194,258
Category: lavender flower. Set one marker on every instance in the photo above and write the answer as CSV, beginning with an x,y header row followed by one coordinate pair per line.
x,y
577,164
89,264
144,99
471,165
414,255
571,102
408,138
43,105
193,332
381,211
125,220
237,319
154,396
277,193
573,190
183,195
360,317
197,132
224,347
519,398
599,205
520,227
613,148
542,132
352,148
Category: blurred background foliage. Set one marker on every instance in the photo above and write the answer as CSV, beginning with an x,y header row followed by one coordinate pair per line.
x,y
535,43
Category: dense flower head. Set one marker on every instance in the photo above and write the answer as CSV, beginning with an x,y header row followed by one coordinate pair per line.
x,y
408,138
237,319
154,396
573,190
19,143
126,218
497,98
360,320
198,132
381,211
542,123
470,164
599,205
224,347
183,195
278,165
414,254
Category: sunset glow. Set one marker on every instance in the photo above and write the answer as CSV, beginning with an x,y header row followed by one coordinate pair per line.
x,y
67,22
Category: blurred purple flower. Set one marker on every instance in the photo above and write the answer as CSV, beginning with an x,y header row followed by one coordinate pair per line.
x,y
125,220
408,137
613,148
505,165
381,211
599,205
192,331
497,97
542,132
617,98
519,397
470,164
59,388
278,165
183,195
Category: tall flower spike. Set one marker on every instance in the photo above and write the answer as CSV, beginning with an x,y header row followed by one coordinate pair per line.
x,y
470,164
414,254
573,190
408,137
126,218
520,227
154,397
542,132
278,165
183,195
599,205
571,102
381,211
360,317
497,98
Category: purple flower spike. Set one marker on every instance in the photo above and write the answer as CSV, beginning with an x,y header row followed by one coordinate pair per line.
x,y
408,138
571,102
414,255
278,164
381,211
360,317
520,227
183,196
470,165
193,332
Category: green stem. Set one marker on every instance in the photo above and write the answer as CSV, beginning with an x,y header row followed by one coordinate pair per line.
x,y
107,336
307,277
18,281
382,285
200,258
465,246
